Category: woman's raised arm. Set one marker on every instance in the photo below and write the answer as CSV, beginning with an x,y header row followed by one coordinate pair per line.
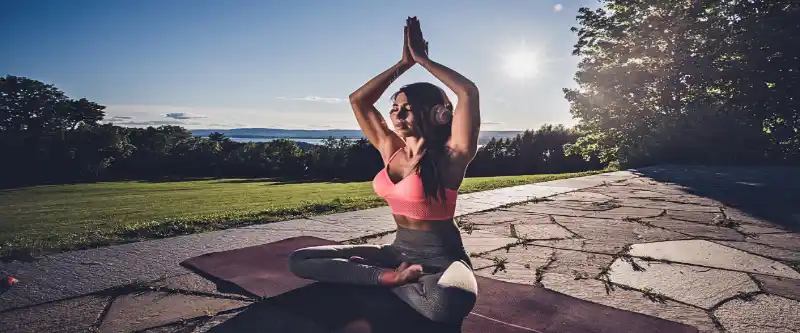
x,y
466,116
369,118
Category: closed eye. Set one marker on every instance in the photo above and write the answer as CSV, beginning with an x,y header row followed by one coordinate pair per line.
x,y
396,108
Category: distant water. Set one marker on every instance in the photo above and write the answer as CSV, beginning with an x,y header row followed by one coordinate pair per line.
x,y
311,141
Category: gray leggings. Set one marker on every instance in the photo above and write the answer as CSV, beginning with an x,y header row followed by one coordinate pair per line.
x,y
446,292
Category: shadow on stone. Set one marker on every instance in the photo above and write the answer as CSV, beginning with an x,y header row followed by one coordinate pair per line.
x,y
324,307
764,193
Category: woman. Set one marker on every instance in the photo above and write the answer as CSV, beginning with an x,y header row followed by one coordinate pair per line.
x,y
425,159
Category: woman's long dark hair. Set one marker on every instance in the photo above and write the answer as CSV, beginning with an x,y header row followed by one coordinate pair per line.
x,y
422,96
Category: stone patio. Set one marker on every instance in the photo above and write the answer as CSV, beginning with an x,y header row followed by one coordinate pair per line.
x,y
715,248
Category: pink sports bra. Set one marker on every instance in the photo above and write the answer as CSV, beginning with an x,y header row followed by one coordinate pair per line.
x,y
407,197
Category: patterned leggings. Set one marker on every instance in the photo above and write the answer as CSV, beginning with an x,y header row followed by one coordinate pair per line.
x,y
446,292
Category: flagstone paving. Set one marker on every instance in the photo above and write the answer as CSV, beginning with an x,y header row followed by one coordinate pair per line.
x,y
678,243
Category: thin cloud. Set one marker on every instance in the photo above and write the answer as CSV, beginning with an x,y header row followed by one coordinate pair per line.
x,y
490,123
183,116
558,7
290,117
314,99
120,118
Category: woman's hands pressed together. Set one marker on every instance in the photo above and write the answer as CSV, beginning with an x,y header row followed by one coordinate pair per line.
x,y
415,44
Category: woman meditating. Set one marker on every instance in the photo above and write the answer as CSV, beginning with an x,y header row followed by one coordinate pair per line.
x,y
425,158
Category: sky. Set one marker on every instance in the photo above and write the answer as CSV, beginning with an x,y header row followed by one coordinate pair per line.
x,y
288,64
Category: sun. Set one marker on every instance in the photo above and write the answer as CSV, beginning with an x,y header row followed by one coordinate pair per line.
x,y
521,64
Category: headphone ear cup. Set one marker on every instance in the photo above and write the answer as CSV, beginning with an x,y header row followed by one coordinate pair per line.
x,y
441,114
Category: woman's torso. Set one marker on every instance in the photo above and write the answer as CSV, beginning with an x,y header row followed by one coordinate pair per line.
x,y
399,169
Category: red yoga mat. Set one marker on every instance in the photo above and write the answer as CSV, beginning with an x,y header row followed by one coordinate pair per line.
x,y
502,307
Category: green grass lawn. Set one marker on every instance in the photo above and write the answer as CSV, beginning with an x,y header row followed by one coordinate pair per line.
x,y
44,219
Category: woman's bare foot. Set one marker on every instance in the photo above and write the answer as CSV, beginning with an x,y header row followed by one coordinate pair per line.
x,y
403,274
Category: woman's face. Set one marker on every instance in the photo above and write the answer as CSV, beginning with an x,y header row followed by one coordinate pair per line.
x,y
402,117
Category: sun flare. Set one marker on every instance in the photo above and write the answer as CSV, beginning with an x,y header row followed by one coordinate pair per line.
x,y
521,64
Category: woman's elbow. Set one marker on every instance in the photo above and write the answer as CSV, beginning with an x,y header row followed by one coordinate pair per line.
x,y
354,98
468,90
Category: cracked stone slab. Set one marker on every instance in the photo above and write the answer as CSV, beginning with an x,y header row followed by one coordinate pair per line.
x,y
480,241
73,315
530,231
464,207
698,286
693,200
523,261
705,253
578,183
756,229
663,204
514,273
620,192
595,291
189,282
361,222
698,217
136,312
263,316
180,327
585,245
520,267
480,201
764,313
585,205
744,217
784,287
657,193
764,250
75,273
384,239
616,233
789,241
626,212
277,225
546,208
651,187
506,195
495,217
582,196
541,190
578,264
695,229
306,225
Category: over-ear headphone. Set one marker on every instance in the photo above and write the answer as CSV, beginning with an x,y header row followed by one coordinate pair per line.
x,y
442,114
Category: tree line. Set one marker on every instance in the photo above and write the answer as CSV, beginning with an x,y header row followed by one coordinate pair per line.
x,y
49,138
700,82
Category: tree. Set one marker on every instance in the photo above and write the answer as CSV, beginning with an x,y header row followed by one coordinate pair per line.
x,y
32,106
218,137
666,81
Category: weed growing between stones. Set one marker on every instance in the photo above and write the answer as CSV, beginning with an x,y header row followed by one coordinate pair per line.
x,y
358,241
499,264
540,271
580,275
465,225
648,293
